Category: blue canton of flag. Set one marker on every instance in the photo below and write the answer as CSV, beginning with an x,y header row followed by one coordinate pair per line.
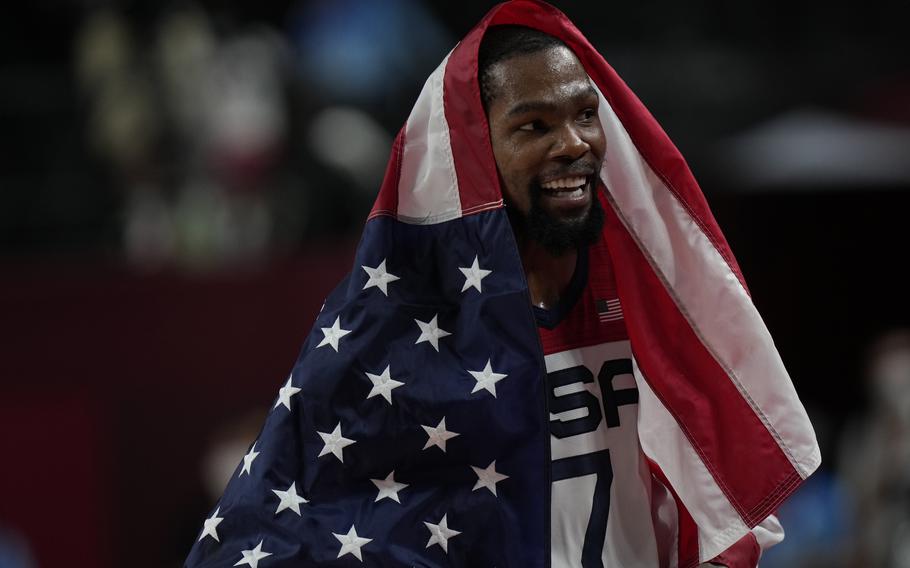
x,y
411,430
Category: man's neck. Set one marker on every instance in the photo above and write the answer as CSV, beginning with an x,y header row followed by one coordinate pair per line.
x,y
548,275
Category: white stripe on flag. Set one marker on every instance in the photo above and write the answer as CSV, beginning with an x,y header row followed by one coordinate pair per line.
x,y
428,187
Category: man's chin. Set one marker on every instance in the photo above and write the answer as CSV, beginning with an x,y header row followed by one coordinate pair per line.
x,y
571,218
560,235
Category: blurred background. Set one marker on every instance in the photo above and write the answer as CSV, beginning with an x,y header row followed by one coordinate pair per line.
x,y
182,183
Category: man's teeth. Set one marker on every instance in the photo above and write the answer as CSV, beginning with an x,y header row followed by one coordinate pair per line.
x,y
570,183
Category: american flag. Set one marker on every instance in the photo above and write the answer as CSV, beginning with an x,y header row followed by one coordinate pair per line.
x,y
412,430
609,310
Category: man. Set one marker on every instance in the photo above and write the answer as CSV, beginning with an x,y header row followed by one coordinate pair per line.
x,y
630,417
549,146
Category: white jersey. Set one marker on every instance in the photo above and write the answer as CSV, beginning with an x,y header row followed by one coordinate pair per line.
x,y
602,486
601,506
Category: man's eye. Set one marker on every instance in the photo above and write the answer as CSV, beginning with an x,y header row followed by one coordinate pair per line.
x,y
589,114
531,126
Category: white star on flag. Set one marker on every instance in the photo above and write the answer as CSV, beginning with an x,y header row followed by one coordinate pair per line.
x,y
473,275
333,334
285,393
334,443
487,379
248,460
488,477
430,331
388,487
438,435
209,526
252,557
351,543
379,277
290,499
383,384
441,533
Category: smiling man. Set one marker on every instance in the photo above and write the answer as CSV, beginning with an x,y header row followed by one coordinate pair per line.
x,y
545,355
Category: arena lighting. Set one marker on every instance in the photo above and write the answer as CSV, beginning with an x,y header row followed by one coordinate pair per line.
x,y
811,149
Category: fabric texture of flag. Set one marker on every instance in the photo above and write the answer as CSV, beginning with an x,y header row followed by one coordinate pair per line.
x,y
413,429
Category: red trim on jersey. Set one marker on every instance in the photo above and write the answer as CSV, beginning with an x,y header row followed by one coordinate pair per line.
x,y
744,459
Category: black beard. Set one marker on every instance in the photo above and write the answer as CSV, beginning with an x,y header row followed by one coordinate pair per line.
x,y
555,236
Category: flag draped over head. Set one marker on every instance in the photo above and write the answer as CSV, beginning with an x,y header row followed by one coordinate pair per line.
x,y
413,428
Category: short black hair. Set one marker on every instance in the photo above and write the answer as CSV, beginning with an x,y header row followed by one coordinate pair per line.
x,y
504,42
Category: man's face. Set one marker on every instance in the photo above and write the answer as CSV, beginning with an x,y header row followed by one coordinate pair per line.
x,y
548,144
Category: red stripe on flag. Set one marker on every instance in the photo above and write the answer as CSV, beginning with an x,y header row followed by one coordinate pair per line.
x,y
387,200
475,167
744,553
741,454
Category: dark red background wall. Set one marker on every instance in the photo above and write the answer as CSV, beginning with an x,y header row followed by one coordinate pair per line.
x,y
112,383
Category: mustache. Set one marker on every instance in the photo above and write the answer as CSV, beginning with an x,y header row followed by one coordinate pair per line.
x,y
582,167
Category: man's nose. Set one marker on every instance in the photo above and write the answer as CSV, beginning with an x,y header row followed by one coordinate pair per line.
x,y
570,143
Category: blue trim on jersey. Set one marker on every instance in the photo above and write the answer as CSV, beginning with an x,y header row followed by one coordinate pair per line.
x,y
550,318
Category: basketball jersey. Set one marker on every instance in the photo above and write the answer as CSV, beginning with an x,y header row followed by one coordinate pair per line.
x,y
601,483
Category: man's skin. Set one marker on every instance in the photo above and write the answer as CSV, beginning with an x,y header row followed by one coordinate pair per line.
x,y
544,127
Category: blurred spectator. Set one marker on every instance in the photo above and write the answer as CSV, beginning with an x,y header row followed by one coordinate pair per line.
x,y
123,119
875,458
194,133
229,141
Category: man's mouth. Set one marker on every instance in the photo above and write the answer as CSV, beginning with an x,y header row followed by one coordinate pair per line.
x,y
570,187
